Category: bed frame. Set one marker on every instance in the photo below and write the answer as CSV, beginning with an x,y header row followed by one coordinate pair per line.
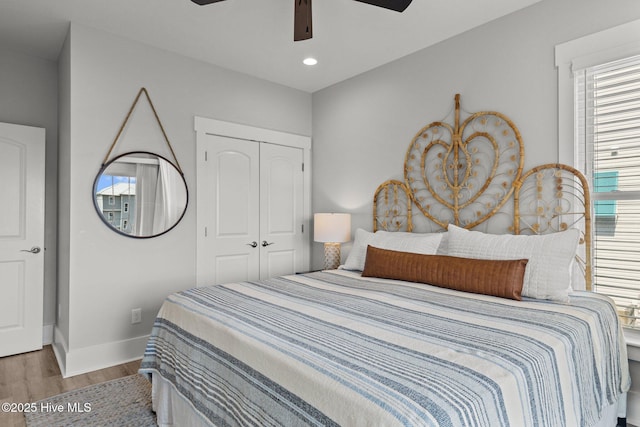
x,y
464,174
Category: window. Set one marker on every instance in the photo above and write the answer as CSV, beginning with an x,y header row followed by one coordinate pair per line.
x,y
605,182
607,134
605,210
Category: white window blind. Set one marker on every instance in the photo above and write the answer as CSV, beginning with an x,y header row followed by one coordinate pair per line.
x,y
607,119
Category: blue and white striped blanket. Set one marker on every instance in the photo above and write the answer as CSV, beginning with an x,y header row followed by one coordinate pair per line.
x,y
332,348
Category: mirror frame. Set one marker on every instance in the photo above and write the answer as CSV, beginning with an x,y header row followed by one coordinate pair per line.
x,y
110,226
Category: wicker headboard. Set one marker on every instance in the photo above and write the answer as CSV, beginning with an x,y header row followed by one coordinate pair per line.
x,y
464,174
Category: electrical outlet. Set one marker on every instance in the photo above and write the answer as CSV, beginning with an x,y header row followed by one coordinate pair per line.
x,y
136,316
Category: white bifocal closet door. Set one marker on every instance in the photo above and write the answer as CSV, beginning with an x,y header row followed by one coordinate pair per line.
x,y
232,200
281,210
250,196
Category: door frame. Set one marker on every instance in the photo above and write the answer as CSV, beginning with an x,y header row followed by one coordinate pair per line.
x,y
206,126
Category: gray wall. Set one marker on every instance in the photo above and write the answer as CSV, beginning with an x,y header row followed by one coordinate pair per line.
x,y
362,126
29,96
64,175
104,73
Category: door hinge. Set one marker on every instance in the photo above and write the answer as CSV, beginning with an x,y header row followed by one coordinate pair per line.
x,y
205,232
303,228
303,167
206,156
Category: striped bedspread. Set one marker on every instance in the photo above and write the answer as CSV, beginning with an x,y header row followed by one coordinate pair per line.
x,y
332,348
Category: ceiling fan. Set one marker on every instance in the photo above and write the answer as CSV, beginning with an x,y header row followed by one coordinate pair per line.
x,y
302,28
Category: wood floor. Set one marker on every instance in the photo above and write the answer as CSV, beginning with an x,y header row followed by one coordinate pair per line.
x,y
30,377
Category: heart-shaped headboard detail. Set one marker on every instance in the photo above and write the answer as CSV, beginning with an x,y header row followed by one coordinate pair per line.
x,y
463,174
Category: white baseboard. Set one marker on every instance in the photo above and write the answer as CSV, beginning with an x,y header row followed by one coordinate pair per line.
x,y
87,359
59,346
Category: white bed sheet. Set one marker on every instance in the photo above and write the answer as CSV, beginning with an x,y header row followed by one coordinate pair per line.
x,y
321,291
170,405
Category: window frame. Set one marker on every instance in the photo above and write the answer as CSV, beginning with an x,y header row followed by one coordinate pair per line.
x,y
605,46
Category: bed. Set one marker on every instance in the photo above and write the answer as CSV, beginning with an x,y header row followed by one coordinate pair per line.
x,y
447,327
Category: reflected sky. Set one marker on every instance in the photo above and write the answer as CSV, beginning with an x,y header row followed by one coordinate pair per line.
x,y
109,180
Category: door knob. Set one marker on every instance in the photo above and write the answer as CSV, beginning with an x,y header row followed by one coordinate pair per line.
x,y
33,250
253,244
265,243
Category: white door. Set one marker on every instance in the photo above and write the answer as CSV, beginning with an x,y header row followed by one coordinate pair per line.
x,y
22,154
250,210
229,191
281,210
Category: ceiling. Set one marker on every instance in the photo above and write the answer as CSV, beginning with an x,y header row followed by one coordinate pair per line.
x,y
255,36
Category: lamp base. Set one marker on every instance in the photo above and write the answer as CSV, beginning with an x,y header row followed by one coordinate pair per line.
x,y
331,256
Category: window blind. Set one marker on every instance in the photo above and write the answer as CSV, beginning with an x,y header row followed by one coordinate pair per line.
x,y
607,109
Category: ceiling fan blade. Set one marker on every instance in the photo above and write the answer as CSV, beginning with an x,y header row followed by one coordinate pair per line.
x,y
205,2
302,28
397,5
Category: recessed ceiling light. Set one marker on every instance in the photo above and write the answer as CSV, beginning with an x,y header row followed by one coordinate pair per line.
x,y
310,61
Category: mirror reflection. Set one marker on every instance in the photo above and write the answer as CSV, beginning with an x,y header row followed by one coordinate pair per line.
x,y
140,194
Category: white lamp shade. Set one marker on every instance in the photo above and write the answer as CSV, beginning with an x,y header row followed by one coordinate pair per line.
x,y
332,227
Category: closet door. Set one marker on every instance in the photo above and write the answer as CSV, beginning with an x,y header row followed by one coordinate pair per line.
x,y
281,210
250,198
229,200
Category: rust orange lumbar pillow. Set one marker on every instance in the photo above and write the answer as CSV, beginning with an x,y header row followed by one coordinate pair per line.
x,y
501,278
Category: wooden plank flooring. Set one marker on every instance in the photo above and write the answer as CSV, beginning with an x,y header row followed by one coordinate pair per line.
x,y
33,376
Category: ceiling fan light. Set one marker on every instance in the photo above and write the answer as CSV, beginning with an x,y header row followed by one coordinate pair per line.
x,y
310,61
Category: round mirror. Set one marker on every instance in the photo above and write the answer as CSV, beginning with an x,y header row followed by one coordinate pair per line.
x,y
140,194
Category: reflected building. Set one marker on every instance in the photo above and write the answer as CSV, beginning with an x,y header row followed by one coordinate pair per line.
x,y
117,203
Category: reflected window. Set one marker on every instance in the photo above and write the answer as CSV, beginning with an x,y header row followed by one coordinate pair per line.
x,y
140,194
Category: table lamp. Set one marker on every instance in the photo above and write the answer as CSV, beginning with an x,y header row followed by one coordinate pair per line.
x,y
332,229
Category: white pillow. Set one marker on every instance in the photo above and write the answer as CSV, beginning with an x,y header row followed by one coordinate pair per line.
x,y
422,243
358,254
548,272
443,247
